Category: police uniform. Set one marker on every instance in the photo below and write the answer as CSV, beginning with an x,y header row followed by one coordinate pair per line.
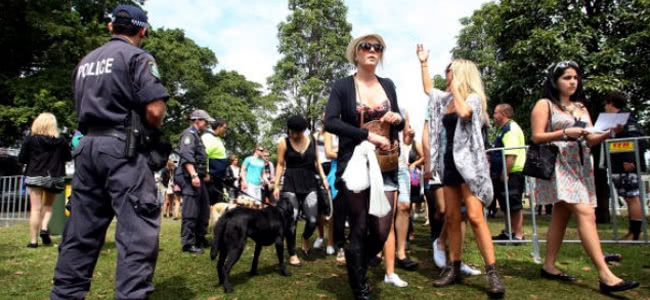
x,y
108,82
196,208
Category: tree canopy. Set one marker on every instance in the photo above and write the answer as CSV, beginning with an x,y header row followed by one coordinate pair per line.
x,y
515,41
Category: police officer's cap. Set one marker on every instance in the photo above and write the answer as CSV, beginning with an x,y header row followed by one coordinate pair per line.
x,y
137,16
200,114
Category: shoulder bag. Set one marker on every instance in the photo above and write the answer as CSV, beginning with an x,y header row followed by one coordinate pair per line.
x,y
540,158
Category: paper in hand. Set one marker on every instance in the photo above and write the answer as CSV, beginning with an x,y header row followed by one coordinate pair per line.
x,y
607,121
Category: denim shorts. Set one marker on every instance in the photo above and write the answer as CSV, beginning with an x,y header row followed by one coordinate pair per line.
x,y
390,181
404,180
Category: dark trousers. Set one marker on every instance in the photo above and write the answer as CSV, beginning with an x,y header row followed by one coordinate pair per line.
x,y
339,215
196,215
435,224
367,233
106,184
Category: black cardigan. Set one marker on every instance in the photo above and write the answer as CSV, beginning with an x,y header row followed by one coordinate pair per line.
x,y
341,117
44,155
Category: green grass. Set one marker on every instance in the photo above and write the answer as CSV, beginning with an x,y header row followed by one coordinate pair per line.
x,y
27,273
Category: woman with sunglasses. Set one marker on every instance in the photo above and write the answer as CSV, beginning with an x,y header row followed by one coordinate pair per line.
x,y
456,118
368,96
561,118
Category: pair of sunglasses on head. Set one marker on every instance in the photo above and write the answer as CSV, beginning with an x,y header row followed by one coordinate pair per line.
x,y
367,46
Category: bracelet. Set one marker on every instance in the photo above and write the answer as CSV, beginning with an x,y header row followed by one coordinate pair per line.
x,y
564,136
194,175
423,65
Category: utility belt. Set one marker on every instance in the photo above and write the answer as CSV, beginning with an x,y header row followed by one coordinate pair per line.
x,y
119,133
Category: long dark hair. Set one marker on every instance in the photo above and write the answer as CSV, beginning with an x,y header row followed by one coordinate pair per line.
x,y
551,91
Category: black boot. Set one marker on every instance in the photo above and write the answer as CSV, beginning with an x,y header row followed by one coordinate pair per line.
x,y
635,229
357,266
496,289
450,275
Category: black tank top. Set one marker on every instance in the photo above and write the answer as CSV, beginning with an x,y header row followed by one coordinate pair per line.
x,y
295,159
449,122
300,176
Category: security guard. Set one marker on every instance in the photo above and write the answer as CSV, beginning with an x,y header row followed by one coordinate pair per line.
x,y
191,171
111,81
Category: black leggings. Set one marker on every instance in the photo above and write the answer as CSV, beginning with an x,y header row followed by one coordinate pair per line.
x,y
308,205
435,224
367,233
339,216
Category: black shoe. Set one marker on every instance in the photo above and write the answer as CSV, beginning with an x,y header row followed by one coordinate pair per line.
x,y
621,286
514,239
357,274
406,264
374,261
192,249
32,245
45,237
202,243
609,257
560,276
503,236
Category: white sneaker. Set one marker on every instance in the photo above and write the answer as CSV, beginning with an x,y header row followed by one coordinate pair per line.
x,y
395,280
318,243
439,256
330,250
469,271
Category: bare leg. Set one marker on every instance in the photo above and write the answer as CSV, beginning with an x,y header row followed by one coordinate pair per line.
x,y
559,220
330,232
402,225
36,202
453,221
517,219
389,246
177,206
591,241
479,225
46,210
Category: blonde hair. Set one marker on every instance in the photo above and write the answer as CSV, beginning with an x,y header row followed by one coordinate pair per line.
x,y
45,124
468,81
353,47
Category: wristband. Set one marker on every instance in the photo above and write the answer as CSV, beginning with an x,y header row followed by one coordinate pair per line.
x,y
564,136
194,175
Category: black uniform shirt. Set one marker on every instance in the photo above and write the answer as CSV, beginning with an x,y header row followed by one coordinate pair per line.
x,y
113,79
191,150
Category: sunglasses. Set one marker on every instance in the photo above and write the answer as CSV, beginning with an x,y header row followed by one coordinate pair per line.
x,y
367,46
258,149
565,64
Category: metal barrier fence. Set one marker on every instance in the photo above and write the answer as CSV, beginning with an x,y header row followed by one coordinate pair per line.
x,y
613,197
13,198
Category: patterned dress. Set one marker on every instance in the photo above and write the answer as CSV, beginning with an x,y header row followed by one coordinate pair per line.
x,y
573,181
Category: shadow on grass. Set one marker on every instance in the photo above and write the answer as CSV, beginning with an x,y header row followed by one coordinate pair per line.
x,y
173,288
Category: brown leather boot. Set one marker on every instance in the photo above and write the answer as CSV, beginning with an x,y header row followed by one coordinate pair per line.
x,y
496,288
450,275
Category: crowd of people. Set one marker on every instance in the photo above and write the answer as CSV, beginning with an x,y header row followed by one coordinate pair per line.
x,y
362,167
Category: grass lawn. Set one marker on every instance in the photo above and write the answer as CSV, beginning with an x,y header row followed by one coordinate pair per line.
x,y
27,273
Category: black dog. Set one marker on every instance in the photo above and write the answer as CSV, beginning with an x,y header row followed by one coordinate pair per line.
x,y
266,226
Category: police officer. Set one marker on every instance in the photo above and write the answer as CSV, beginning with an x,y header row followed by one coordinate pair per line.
x,y
108,83
189,175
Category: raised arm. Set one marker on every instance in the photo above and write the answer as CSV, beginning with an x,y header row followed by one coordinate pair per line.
x,y
423,56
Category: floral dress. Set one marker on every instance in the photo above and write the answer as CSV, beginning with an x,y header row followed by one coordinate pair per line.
x,y
573,180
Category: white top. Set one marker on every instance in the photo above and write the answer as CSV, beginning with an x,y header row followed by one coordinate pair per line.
x,y
403,160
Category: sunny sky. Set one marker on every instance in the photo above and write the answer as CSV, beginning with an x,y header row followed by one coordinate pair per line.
x,y
243,35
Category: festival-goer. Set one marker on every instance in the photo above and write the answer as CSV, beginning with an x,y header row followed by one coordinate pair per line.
x,y
462,111
562,119
404,196
624,175
232,177
509,135
319,135
172,202
336,230
45,153
268,178
251,175
298,161
364,94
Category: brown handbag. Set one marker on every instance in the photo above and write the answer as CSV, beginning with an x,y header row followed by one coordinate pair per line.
x,y
387,159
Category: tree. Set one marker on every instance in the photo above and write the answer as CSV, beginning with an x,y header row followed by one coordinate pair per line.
x,y
514,42
312,43
42,42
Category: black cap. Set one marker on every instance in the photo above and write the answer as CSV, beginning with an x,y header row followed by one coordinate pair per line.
x,y
137,16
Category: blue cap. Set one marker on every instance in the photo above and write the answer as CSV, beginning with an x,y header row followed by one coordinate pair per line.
x,y
137,16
